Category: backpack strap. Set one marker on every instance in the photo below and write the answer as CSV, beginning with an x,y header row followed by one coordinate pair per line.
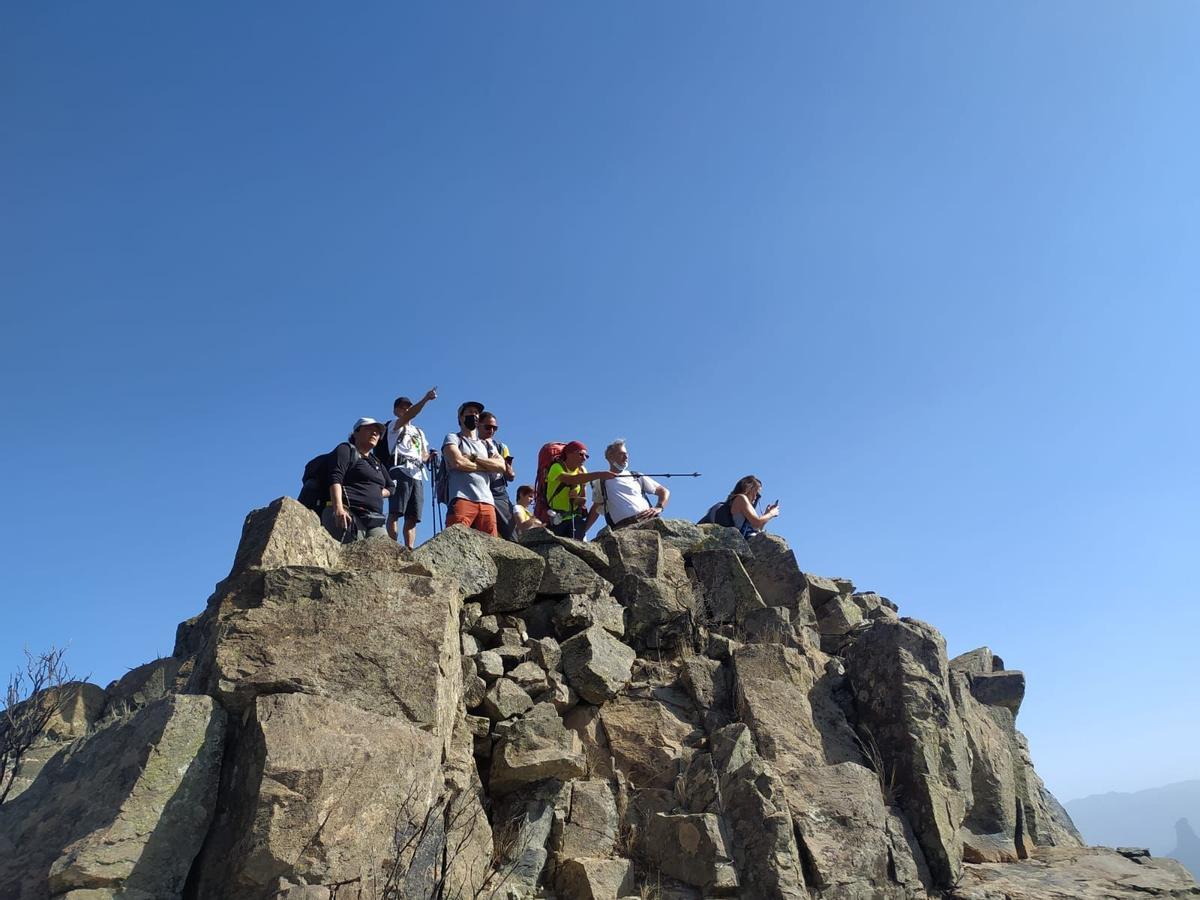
x,y
608,519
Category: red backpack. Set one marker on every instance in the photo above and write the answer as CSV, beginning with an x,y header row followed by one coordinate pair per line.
x,y
547,457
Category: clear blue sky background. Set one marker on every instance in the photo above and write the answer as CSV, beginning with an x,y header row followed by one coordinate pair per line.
x,y
929,269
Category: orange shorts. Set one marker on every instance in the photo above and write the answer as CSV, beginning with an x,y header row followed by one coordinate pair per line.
x,y
480,516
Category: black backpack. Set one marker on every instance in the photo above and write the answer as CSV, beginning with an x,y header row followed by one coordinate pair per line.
x,y
314,488
719,514
441,476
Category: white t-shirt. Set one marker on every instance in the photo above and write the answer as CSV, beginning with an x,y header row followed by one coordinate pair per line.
x,y
409,451
624,496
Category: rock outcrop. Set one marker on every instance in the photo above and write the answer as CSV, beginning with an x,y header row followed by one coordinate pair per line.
x,y
669,711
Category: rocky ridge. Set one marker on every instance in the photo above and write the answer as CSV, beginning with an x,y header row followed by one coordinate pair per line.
x,y
669,711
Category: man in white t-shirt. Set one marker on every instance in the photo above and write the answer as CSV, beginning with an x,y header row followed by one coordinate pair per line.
x,y
622,499
405,450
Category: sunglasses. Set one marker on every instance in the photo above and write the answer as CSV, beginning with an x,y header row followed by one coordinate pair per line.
x,y
491,427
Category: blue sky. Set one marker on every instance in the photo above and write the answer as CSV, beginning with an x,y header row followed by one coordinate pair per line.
x,y
927,269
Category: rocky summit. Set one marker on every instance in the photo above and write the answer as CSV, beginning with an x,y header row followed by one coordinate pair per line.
x,y
670,711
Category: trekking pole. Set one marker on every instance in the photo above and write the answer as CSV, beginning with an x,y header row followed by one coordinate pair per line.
x,y
433,504
658,474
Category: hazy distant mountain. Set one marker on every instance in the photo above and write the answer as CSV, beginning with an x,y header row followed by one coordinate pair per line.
x,y
1143,819
1187,847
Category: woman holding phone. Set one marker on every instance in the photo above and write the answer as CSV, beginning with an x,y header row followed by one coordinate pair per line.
x,y
743,506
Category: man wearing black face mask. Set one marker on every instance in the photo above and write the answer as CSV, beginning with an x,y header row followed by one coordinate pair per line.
x,y
471,463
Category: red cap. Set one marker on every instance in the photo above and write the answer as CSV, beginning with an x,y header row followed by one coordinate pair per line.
x,y
574,447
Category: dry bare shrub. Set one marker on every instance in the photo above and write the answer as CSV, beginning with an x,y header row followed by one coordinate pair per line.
x,y
34,695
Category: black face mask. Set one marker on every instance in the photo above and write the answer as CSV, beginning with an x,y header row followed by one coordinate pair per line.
x,y
470,421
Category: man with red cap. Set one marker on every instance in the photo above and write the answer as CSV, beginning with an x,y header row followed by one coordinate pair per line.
x,y
565,492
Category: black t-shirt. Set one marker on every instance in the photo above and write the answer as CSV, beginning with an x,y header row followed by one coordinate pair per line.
x,y
362,478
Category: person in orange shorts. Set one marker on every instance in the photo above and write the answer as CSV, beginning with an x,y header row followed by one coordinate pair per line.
x,y
470,463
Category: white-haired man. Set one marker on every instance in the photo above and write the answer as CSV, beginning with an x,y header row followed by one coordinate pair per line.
x,y
622,498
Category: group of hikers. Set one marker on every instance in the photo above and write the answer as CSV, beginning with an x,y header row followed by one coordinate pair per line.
x,y
393,461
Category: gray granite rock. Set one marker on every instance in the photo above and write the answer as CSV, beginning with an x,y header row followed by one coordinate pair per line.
x,y
122,810
596,664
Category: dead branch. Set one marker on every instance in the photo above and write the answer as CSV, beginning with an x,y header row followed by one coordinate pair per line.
x,y
33,697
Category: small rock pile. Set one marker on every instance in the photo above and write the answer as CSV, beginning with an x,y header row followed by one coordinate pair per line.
x,y
669,711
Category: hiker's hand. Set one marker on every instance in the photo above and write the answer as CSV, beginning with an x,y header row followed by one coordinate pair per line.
x,y
773,510
652,513
342,516
431,394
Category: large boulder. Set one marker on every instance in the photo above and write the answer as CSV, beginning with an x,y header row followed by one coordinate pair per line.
x,y
285,534
469,847
1078,873
900,678
588,551
691,847
632,551
719,536
535,748
566,573
683,535
524,820
586,825
386,642
579,611
647,739
657,615
652,584
729,595
855,844
789,706
1009,811
777,576
990,828
1006,689
321,792
596,664
122,812
595,879
709,683
505,699
504,575
584,720
736,783
142,685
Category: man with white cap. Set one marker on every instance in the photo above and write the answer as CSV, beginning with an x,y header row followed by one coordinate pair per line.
x,y
358,484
